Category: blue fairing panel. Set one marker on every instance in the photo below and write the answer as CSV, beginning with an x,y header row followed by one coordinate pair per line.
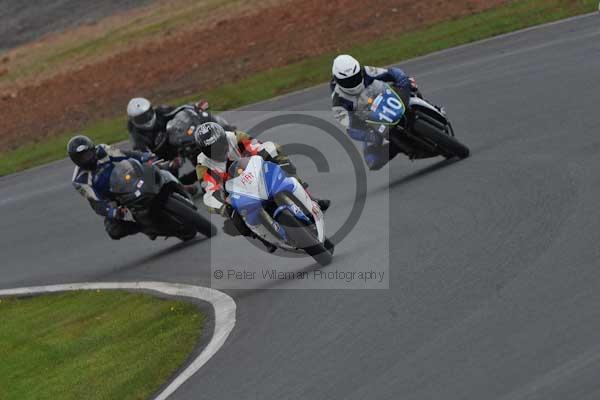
x,y
276,179
249,207
387,108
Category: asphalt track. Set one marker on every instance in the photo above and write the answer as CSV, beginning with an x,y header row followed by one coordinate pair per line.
x,y
494,260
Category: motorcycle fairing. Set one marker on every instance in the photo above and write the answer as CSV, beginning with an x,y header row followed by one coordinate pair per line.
x,y
387,108
258,183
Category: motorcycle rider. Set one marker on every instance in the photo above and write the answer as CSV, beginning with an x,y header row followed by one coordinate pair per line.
x,y
219,149
146,123
91,178
349,80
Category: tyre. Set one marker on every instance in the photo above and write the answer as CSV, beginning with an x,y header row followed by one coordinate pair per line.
x,y
180,207
448,145
301,235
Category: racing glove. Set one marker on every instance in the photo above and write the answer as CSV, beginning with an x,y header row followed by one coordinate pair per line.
x,y
175,164
413,84
117,213
414,88
202,105
145,157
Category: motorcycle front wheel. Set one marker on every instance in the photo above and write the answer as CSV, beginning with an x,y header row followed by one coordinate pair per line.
x,y
301,235
179,206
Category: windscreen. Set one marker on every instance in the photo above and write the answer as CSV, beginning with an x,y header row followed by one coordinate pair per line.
x,y
181,128
125,177
237,167
380,104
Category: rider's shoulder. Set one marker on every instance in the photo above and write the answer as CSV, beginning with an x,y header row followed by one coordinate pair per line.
x,y
374,72
105,150
238,136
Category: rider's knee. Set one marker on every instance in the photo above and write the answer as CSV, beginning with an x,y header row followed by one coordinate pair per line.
x,y
115,229
376,165
376,157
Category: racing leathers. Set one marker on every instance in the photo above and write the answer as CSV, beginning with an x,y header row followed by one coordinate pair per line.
x,y
376,152
94,186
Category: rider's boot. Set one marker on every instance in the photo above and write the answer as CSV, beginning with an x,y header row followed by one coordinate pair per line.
x,y
329,245
323,203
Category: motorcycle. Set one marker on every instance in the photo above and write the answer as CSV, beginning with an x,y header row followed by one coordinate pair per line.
x,y
277,208
178,139
157,201
411,124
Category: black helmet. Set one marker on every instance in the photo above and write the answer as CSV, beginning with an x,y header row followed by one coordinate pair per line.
x,y
82,152
212,140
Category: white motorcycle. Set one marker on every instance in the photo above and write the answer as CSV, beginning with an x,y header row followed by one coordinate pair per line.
x,y
277,208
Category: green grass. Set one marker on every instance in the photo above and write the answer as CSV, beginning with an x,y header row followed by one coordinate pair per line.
x,y
93,345
264,85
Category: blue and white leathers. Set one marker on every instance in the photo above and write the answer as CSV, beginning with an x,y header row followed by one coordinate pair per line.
x,y
344,107
258,184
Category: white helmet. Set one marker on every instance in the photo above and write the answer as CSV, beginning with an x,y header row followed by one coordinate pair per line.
x,y
348,75
141,113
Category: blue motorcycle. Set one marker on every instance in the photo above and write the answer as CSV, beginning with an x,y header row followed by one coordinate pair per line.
x,y
411,124
277,208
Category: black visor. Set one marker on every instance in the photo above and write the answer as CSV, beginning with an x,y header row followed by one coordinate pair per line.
x,y
144,118
218,150
85,159
350,82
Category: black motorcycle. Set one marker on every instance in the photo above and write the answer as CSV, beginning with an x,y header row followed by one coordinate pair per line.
x,y
157,201
412,125
178,139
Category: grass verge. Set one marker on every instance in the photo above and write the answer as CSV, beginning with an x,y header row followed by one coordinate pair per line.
x,y
264,85
93,345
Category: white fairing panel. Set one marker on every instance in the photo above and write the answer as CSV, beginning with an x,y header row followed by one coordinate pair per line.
x,y
251,182
313,207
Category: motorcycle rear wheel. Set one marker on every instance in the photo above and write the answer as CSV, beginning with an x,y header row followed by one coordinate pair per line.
x,y
449,146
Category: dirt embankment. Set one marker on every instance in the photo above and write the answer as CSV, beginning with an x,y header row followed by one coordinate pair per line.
x,y
205,56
